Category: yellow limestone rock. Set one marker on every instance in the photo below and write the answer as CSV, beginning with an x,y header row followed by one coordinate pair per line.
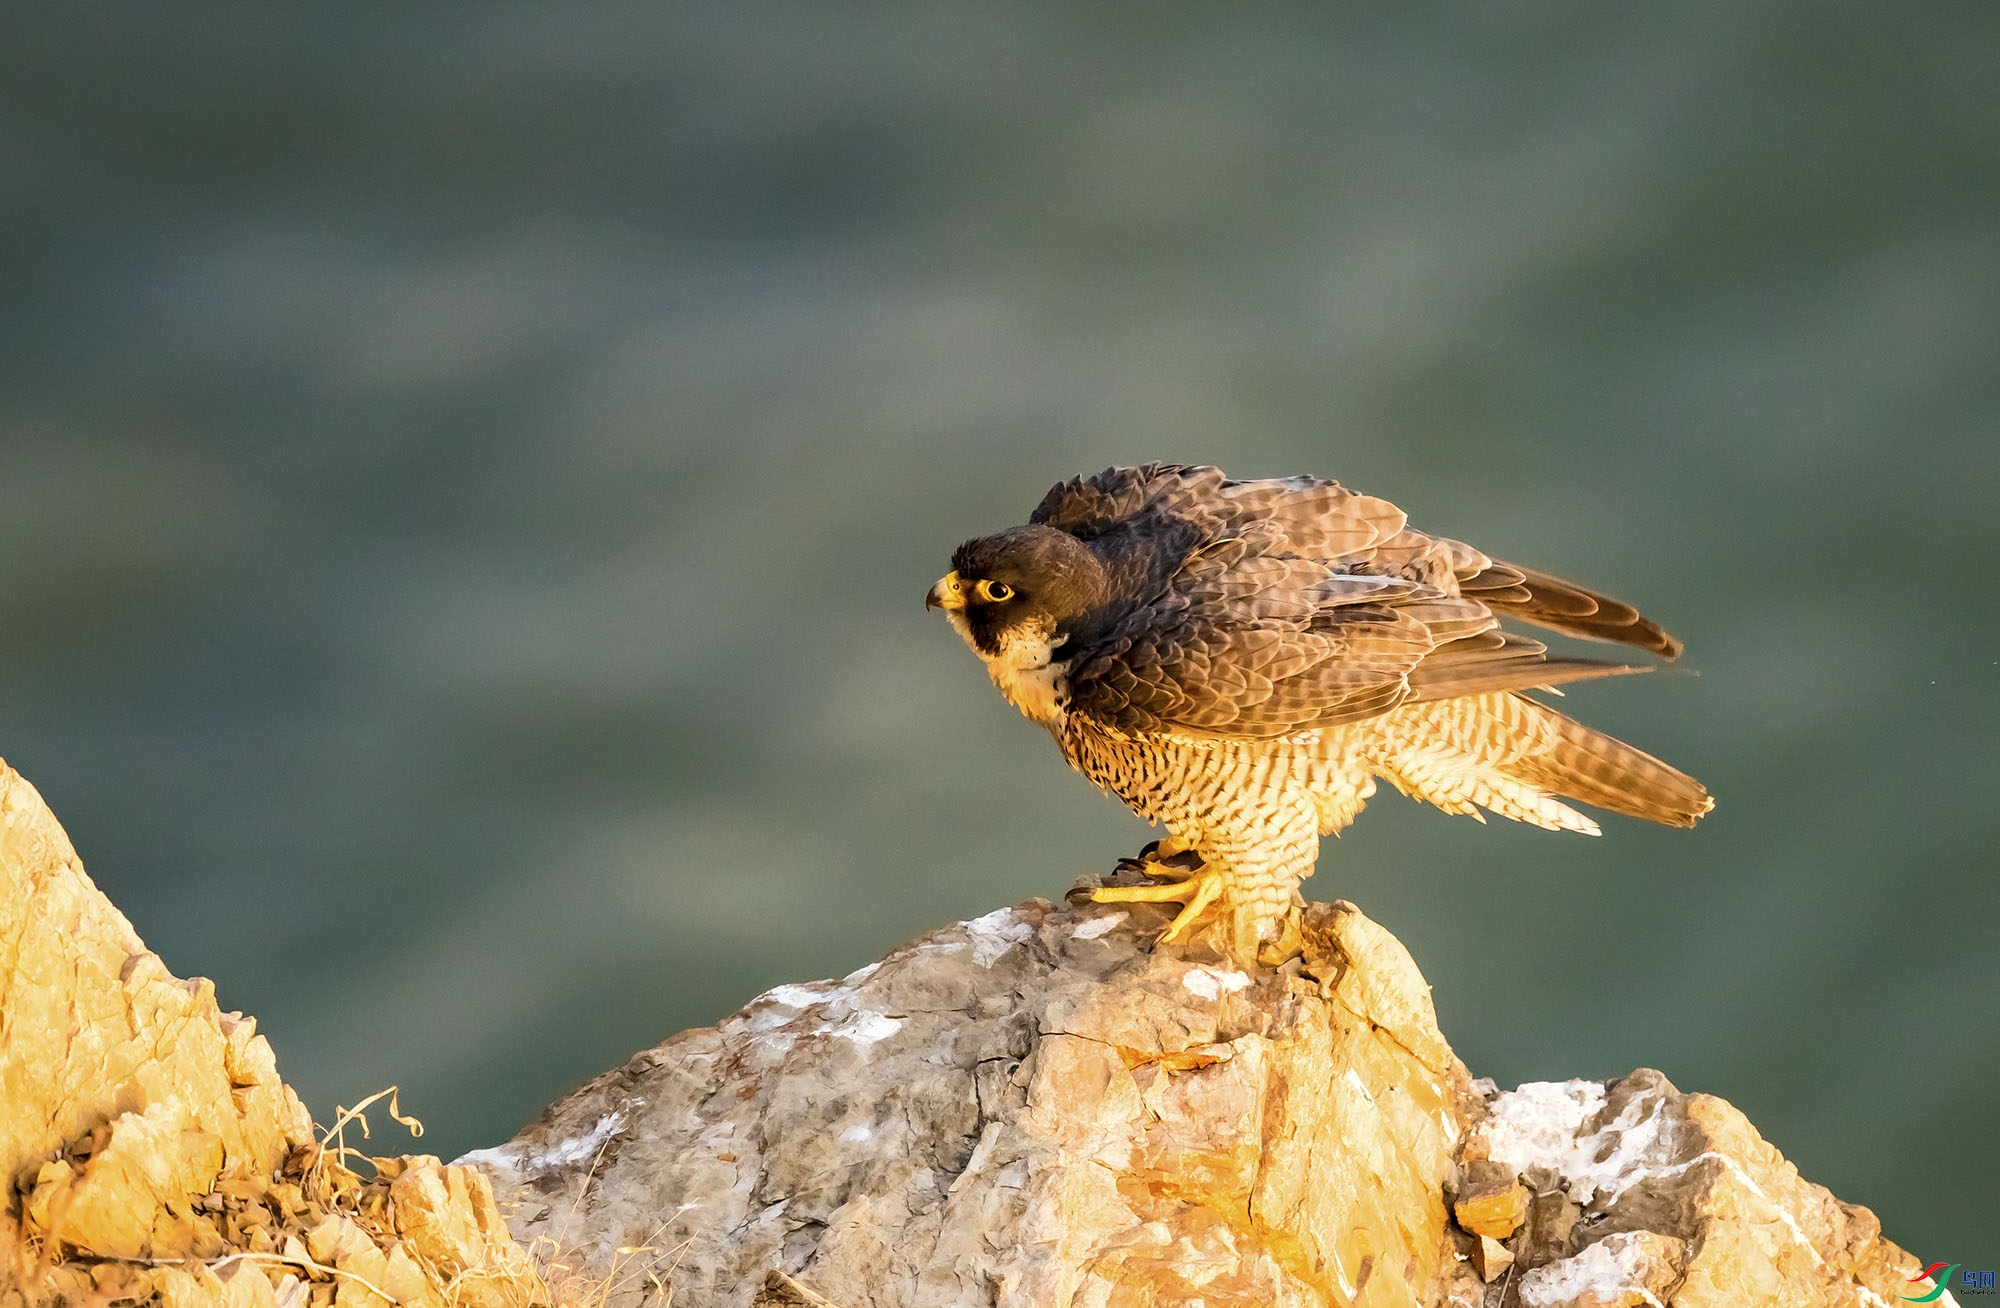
x,y
448,1221
148,1144
132,1081
1772,1237
334,1239
1495,1214
1490,1258
1490,1201
245,1287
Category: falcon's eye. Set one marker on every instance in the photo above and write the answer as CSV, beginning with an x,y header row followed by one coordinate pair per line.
x,y
994,592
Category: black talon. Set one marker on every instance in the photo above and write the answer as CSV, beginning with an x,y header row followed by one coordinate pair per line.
x,y
1149,860
1142,862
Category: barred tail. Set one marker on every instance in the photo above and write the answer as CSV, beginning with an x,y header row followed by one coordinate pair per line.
x,y
1584,764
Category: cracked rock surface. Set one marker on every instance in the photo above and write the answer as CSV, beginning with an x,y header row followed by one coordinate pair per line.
x,y
1644,1195
1031,1108
1035,1108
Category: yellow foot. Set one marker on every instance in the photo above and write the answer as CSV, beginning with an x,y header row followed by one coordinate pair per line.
x,y
1202,887
1163,860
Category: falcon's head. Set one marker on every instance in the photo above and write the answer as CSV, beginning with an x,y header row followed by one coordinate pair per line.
x,y
1012,597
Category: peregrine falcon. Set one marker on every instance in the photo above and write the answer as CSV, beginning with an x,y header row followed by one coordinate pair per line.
x,y
1239,660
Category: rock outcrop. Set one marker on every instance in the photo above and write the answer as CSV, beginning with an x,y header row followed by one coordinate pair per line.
x,y
152,1154
1636,1193
1031,1108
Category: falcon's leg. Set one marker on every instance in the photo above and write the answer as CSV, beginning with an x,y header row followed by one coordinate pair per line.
x,y
1202,887
1261,862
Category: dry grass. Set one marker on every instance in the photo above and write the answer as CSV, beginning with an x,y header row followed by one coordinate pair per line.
x,y
643,1267
269,1223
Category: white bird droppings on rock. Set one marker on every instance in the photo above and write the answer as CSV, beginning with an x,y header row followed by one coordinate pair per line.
x,y
1539,1125
795,996
1099,926
1536,1123
528,1162
1211,984
1611,1271
995,934
864,1029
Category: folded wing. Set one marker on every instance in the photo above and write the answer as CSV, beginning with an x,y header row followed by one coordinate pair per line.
x,y
1263,608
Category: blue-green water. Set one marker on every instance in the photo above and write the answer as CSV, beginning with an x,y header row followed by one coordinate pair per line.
x,y
468,476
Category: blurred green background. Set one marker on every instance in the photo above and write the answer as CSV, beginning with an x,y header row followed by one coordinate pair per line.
x,y
468,475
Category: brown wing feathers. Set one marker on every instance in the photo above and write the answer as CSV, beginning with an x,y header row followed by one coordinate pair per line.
x,y
1256,609
1513,663
1322,603
1565,606
1252,647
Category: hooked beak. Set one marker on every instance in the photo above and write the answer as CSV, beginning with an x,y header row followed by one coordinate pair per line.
x,y
948,594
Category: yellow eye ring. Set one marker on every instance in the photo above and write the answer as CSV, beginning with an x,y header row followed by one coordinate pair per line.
x,y
994,592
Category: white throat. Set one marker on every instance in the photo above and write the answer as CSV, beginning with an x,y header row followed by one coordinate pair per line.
x,y
1024,672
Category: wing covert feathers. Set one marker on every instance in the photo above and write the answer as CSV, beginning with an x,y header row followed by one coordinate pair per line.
x,y
1260,609
1316,518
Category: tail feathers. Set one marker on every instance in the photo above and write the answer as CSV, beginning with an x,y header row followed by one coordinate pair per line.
x,y
1445,781
1519,758
1584,764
